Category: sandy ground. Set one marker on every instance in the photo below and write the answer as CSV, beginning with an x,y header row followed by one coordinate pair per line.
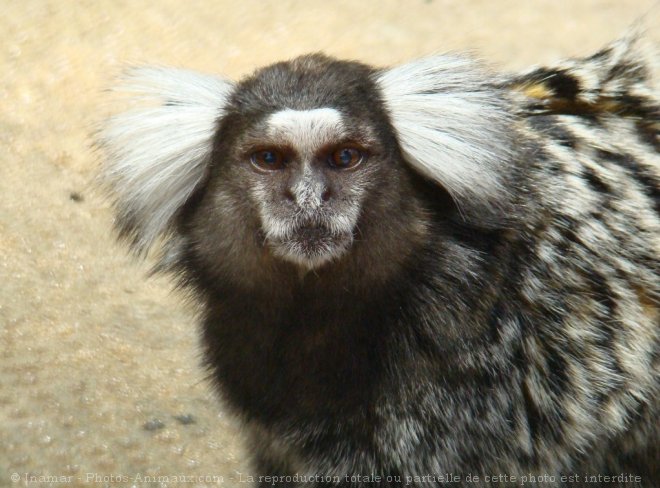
x,y
100,378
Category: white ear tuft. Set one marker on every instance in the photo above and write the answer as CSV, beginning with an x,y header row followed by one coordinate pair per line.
x,y
452,125
157,155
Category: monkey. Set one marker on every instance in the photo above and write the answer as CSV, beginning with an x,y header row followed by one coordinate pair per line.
x,y
430,268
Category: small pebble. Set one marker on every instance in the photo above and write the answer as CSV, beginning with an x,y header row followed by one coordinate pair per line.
x,y
185,419
76,197
153,424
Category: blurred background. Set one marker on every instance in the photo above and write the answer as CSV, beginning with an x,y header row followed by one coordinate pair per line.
x,y
100,372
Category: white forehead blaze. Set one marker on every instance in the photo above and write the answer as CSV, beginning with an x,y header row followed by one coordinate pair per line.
x,y
306,130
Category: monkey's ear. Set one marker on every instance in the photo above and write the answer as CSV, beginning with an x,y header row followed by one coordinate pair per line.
x,y
156,155
453,127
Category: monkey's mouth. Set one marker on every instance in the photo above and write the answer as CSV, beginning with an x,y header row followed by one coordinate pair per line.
x,y
310,245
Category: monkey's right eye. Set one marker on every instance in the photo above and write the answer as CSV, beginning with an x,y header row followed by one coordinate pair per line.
x,y
269,159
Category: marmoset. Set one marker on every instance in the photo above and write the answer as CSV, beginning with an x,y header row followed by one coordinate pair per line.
x,y
409,271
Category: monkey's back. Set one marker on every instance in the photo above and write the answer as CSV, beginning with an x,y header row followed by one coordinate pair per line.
x,y
591,281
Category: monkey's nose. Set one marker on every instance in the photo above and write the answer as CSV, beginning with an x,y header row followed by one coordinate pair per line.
x,y
288,194
308,195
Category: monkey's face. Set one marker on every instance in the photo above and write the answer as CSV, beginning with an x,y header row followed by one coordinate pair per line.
x,y
303,147
306,174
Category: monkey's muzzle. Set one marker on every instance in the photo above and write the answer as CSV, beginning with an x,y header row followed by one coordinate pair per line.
x,y
311,245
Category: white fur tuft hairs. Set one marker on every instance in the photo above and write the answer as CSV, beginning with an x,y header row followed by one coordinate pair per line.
x,y
157,155
453,126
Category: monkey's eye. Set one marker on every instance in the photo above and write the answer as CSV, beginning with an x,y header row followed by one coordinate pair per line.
x,y
346,157
269,159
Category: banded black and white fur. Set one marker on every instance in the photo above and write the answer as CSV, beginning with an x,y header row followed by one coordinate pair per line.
x,y
418,270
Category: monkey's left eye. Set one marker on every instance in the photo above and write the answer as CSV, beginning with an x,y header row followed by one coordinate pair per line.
x,y
269,159
346,157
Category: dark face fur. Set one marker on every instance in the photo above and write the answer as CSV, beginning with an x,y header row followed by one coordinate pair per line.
x,y
304,171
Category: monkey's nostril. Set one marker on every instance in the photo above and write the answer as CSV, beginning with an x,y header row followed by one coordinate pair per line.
x,y
288,194
325,196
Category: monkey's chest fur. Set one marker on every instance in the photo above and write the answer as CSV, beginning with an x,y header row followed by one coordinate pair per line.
x,y
314,356
352,379
402,380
